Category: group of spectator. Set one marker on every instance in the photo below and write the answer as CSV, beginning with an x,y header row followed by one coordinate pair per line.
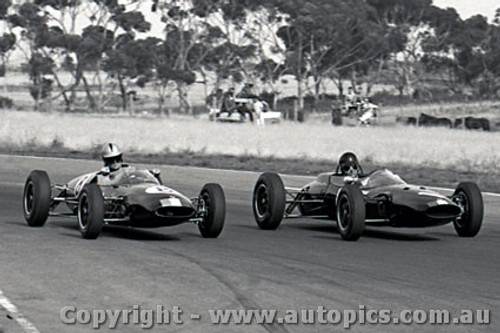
x,y
353,104
226,103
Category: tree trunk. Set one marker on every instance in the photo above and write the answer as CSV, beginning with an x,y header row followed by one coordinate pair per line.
x,y
299,80
123,92
184,105
161,99
63,90
317,88
92,104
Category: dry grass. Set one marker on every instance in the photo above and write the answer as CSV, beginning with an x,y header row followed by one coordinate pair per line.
x,y
421,147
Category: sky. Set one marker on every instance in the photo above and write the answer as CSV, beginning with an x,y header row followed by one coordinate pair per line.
x,y
468,8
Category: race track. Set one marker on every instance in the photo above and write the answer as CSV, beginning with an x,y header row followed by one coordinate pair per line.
x,y
302,265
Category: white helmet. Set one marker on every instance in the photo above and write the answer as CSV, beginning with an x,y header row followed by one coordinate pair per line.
x,y
111,154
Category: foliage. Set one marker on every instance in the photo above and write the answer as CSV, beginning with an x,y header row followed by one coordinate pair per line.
x,y
407,44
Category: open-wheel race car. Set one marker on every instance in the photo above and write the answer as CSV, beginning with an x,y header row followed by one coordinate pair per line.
x,y
127,197
380,198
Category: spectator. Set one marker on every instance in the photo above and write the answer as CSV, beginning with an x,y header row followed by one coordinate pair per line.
x,y
352,101
337,112
214,100
228,104
258,108
247,91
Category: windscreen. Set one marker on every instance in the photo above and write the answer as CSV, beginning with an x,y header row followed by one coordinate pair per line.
x,y
381,178
132,176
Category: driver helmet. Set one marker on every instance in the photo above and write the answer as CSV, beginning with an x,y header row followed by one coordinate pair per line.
x,y
112,156
349,165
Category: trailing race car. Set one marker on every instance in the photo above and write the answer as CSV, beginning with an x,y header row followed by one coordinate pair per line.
x,y
380,198
127,197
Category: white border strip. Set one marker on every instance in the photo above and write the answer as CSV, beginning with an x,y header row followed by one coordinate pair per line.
x,y
13,311
214,169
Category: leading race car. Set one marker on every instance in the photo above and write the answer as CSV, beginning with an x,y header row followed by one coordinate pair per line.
x,y
380,198
127,197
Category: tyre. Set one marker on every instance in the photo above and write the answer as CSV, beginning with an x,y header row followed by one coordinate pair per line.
x,y
351,212
468,196
214,205
90,211
269,201
36,198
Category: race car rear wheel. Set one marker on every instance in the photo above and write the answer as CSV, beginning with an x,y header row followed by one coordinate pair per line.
x,y
90,211
36,198
468,196
213,201
269,201
350,212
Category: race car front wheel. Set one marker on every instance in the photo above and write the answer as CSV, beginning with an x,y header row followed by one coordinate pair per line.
x,y
36,198
212,203
90,211
350,212
468,196
269,201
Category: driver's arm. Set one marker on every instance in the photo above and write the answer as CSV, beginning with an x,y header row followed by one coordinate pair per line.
x,y
157,174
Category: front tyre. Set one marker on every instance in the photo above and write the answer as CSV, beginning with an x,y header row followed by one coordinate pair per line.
x,y
213,204
269,201
90,211
350,212
468,196
36,198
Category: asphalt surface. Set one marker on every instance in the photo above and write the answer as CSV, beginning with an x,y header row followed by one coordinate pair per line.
x,y
302,265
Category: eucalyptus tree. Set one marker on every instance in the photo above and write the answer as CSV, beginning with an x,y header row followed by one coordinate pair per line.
x,y
79,36
464,52
207,37
409,25
7,41
327,38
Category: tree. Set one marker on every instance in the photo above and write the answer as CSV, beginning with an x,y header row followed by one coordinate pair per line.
x,y
49,34
408,26
131,59
328,38
7,45
39,67
182,28
466,52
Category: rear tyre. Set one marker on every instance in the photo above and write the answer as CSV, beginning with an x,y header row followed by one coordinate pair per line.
x,y
36,198
469,197
350,212
214,203
269,201
90,211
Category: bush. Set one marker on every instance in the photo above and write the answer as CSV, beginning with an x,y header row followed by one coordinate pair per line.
x,y
424,96
6,103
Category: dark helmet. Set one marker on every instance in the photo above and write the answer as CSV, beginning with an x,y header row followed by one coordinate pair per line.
x,y
349,164
111,155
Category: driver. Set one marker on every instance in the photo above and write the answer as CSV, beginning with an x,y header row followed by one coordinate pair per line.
x,y
112,158
349,165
